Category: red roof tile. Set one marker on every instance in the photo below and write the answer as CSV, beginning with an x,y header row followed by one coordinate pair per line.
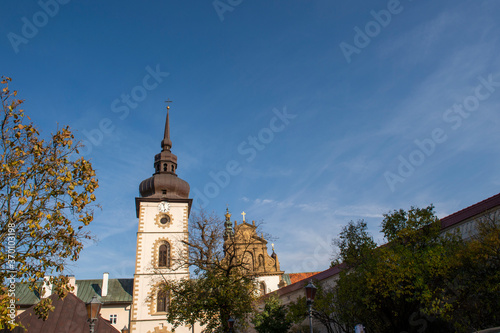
x,y
296,277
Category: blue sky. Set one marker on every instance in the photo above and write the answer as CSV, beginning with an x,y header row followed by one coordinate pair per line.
x,y
326,111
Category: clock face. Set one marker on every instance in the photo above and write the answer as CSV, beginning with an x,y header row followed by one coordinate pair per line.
x,y
163,207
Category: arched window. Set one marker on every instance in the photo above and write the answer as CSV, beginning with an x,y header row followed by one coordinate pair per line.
x,y
172,168
162,301
165,167
164,255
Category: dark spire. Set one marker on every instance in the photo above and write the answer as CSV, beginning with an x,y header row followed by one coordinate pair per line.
x,y
165,183
166,143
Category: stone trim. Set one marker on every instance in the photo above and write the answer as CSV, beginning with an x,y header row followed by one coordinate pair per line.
x,y
138,251
135,304
135,298
142,218
152,297
186,232
155,253
158,218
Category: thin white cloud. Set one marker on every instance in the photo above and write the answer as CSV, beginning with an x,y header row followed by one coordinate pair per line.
x,y
362,211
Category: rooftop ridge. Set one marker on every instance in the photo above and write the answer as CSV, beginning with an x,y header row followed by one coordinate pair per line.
x,y
470,211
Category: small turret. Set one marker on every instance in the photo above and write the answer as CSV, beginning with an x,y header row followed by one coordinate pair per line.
x,y
229,232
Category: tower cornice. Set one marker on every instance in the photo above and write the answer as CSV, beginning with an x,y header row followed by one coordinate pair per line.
x,y
138,200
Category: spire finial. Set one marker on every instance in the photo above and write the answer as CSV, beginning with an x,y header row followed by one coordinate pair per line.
x,y
166,143
168,101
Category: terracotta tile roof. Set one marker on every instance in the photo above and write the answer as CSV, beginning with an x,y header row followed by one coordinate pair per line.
x,y
69,316
314,276
296,277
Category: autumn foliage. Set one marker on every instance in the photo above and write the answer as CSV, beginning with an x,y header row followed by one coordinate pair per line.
x,y
46,196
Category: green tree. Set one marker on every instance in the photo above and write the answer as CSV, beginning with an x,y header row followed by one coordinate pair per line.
x,y
46,193
356,251
273,318
327,309
210,300
221,286
354,243
391,286
420,281
470,298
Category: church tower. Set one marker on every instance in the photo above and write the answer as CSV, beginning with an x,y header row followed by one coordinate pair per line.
x,y
251,249
163,211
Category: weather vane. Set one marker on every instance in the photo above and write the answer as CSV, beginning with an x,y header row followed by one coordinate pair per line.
x,y
168,101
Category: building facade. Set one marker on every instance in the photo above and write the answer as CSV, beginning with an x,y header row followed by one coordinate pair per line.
x,y
246,246
163,211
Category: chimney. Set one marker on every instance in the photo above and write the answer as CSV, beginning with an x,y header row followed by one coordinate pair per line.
x,y
47,286
104,290
72,283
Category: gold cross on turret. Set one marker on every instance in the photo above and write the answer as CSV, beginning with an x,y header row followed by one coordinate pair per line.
x,y
243,216
168,101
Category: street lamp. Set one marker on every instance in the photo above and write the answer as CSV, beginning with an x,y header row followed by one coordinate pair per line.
x,y
93,309
310,293
230,324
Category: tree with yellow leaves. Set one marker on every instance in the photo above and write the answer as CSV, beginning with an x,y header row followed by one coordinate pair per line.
x,y
46,195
